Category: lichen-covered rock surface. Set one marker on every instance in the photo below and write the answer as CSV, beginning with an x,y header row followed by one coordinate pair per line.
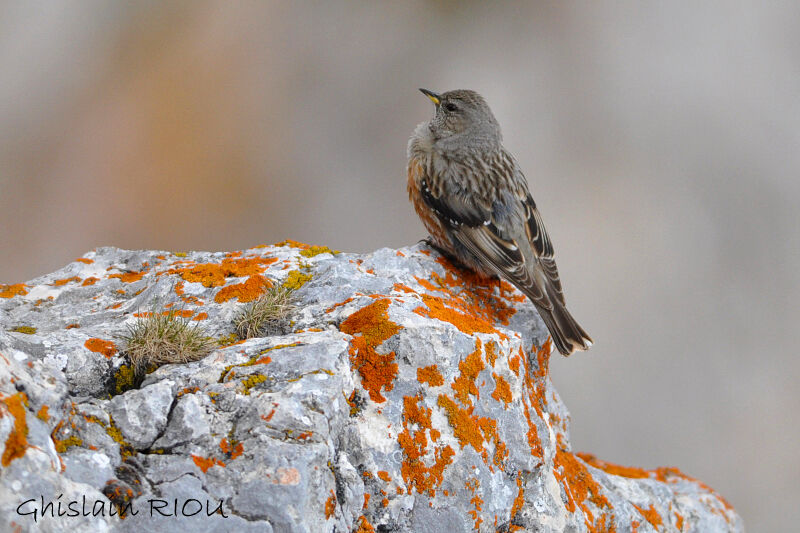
x,y
405,396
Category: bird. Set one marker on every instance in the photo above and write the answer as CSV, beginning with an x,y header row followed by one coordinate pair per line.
x,y
473,199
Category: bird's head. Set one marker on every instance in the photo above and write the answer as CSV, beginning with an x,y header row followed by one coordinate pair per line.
x,y
462,117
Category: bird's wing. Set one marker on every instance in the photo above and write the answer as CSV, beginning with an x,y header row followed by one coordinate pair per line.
x,y
479,227
542,246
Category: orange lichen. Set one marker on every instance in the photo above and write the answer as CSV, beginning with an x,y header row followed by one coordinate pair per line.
x,y
129,277
679,521
107,348
513,363
248,291
17,441
430,375
214,274
384,475
364,526
60,282
330,506
85,260
201,316
610,468
466,427
414,444
89,281
662,474
466,322
204,463
232,451
520,499
9,291
42,414
650,514
334,306
470,367
500,453
292,244
579,485
473,485
668,474
491,353
370,327
543,358
472,295
399,287
502,391
187,390
531,398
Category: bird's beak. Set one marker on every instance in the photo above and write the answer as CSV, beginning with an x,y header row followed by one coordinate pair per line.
x,y
435,98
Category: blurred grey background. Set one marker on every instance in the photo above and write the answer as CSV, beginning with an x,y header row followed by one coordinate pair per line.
x,y
661,141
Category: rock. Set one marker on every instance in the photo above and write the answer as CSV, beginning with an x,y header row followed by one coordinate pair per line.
x,y
409,396
142,414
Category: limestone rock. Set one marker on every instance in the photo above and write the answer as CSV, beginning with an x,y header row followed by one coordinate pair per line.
x,y
408,396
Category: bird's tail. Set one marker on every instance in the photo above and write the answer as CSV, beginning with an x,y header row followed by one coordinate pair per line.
x,y
567,334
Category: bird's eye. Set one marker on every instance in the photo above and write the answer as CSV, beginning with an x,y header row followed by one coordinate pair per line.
x,y
450,106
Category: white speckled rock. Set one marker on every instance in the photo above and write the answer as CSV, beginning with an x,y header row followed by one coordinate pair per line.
x,y
407,397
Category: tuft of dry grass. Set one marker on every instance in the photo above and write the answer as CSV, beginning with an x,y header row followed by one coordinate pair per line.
x,y
164,337
268,315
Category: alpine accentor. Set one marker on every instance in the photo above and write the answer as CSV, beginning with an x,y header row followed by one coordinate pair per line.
x,y
473,198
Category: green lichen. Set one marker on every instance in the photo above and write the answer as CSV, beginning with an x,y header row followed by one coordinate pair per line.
x,y
227,340
27,330
301,376
124,379
296,279
63,445
251,381
179,254
257,359
125,448
316,250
